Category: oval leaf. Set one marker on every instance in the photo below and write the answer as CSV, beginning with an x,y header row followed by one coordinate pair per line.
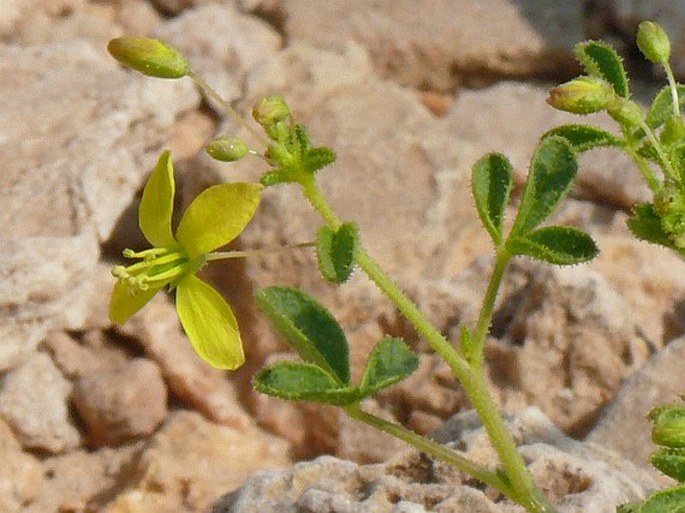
x,y
671,462
550,177
601,60
560,245
583,138
209,323
491,182
335,251
303,382
217,216
665,501
157,204
390,361
309,329
645,224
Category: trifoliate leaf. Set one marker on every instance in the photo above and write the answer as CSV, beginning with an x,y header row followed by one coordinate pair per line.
x,y
209,323
309,329
582,137
491,182
157,204
601,60
560,245
217,216
335,251
390,361
303,382
550,177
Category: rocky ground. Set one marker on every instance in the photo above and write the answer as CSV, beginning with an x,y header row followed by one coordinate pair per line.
x,y
96,417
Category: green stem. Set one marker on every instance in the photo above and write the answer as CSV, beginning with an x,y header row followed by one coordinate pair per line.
x,y
647,173
434,449
521,489
673,87
224,255
666,164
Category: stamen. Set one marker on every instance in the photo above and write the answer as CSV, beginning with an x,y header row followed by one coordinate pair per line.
x,y
157,267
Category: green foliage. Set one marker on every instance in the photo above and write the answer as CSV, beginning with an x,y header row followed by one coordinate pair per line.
x,y
335,250
601,60
491,182
390,361
582,137
559,245
662,106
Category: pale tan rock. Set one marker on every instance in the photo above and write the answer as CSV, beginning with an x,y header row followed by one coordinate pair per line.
x,y
20,473
442,44
577,478
120,403
624,426
34,402
194,461
188,377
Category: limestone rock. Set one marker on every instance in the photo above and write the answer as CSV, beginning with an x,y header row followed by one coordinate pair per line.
x,y
70,171
441,45
20,473
577,478
34,402
624,426
121,403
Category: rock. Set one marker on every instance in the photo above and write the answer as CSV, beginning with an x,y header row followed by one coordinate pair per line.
x,y
34,401
577,477
20,474
82,480
623,426
442,46
189,378
190,462
121,403
221,44
70,172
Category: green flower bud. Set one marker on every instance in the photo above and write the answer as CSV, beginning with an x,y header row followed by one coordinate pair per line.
x,y
582,95
626,112
270,110
149,56
669,427
653,42
227,149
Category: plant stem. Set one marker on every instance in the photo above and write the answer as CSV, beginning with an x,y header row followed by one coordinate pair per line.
x,y
434,449
666,164
673,87
521,489
224,255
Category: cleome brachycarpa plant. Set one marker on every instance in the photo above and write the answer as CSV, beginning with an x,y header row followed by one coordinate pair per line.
x,y
654,139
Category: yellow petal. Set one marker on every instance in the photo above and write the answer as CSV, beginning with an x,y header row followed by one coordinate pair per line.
x,y
209,323
157,204
123,305
217,216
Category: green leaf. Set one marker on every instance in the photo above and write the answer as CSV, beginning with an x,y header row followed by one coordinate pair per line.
x,y
601,60
646,225
559,245
217,216
550,177
157,204
583,138
309,329
274,178
633,507
491,182
123,304
665,501
662,106
336,251
318,158
209,323
671,462
303,382
390,361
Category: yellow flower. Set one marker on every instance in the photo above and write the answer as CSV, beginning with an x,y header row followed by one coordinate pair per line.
x,y
213,219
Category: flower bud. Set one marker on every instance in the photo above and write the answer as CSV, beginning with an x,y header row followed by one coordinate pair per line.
x,y
226,149
270,110
653,42
582,95
669,427
148,56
